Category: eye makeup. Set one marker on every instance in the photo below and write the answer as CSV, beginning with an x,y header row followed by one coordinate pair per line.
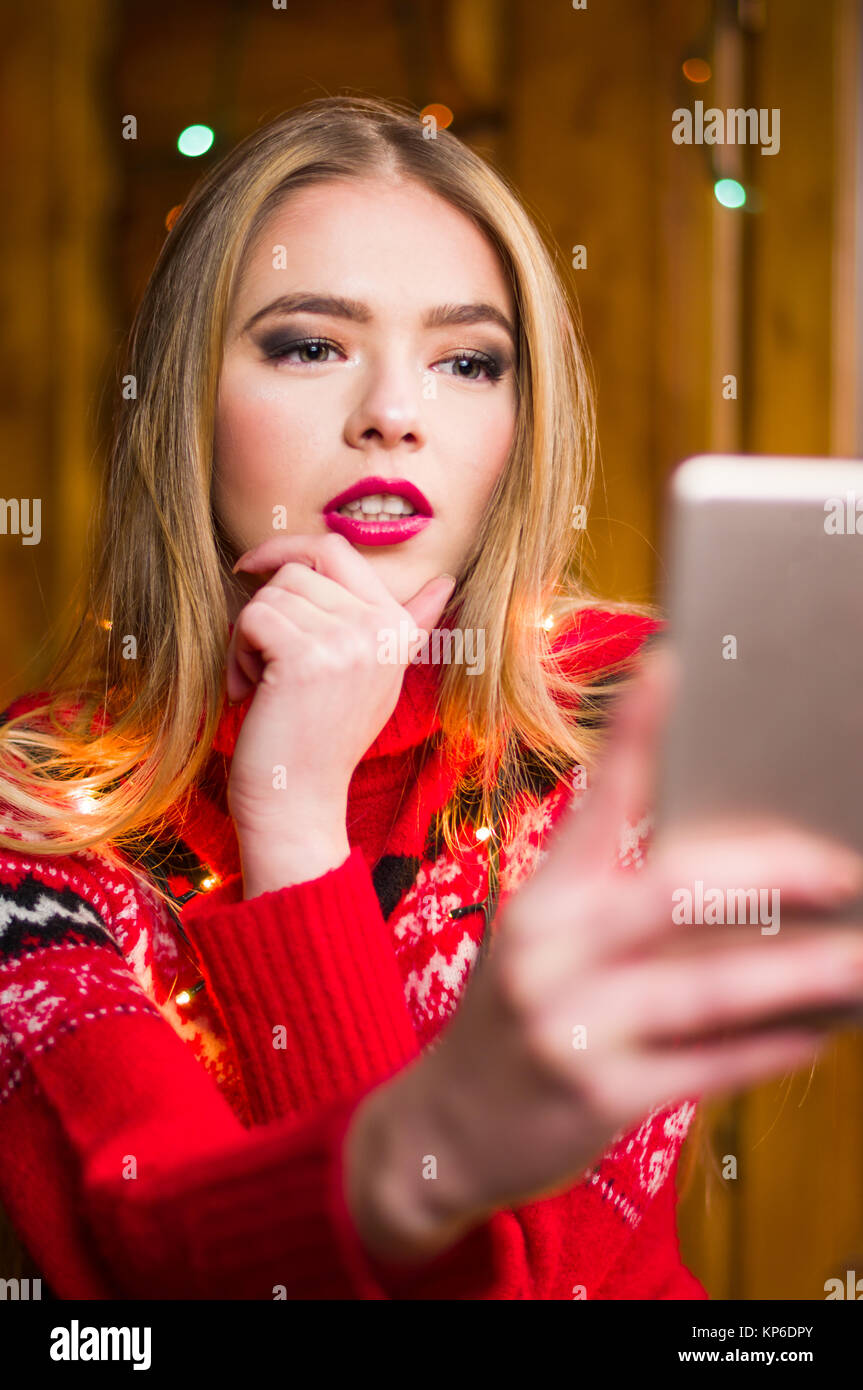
x,y
276,347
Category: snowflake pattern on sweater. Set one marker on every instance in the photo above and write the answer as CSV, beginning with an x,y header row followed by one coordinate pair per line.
x,y
51,914
54,914
435,954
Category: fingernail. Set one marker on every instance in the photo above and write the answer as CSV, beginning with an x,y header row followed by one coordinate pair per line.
x,y
450,577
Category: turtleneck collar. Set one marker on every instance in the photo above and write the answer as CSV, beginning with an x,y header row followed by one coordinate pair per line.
x,y
414,719
406,774
594,638
401,779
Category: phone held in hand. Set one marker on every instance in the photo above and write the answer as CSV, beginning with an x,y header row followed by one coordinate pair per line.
x,y
763,593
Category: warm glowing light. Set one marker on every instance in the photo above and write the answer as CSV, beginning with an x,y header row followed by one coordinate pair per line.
x,y
697,70
208,883
106,624
183,998
173,215
442,115
729,193
483,832
85,804
547,623
195,140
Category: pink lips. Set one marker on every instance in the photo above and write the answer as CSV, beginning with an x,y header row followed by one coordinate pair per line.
x,y
401,528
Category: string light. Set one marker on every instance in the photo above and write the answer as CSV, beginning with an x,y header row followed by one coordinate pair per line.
x,y
187,995
206,884
729,193
195,140
442,115
697,70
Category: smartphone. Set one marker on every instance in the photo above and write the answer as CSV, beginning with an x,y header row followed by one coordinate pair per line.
x,y
763,595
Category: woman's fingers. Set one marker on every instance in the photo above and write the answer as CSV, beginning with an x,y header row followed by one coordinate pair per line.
x,y
331,555
259,634
426,606
330,573
303,609
325,593
588,840
738,987
713,1069
761,863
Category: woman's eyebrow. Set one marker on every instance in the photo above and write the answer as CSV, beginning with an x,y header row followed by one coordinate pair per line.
x,y
336,307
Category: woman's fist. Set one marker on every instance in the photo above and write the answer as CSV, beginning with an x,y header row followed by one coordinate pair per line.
x,y
307,643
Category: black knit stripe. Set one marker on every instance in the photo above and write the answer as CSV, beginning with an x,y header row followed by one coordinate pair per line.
x,y
35,915
392,876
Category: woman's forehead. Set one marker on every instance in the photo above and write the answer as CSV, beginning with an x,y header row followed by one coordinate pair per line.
x,y
374,240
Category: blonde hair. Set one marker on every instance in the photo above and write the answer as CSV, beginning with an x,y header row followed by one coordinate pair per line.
x,y
160,570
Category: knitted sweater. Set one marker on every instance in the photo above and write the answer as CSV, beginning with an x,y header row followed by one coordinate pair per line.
x,y
154,1150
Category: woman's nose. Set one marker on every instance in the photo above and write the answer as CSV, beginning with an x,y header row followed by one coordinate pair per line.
x,y
389,406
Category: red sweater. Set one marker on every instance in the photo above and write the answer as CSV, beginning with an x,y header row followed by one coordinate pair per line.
x,y
150,1150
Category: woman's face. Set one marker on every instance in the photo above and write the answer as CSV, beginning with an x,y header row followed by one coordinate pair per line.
x,y
410,377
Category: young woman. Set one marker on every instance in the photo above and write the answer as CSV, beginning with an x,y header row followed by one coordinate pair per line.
x,y
253,1041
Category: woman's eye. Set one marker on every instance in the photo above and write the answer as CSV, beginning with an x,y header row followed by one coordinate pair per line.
x,y
467,363
468,366
317,348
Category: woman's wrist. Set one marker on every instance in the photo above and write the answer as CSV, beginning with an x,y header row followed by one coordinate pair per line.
x,y
269,864
403,1186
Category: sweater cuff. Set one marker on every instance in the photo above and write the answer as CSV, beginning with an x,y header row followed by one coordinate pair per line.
x,y
263,1218
266,1218
308,984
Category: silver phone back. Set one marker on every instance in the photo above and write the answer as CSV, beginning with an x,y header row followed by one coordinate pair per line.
x,y
763,593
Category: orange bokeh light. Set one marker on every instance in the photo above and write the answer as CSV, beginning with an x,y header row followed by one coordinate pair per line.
x,y
697,70
442,114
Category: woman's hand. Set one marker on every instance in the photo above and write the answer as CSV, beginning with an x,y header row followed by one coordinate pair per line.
x,y
593,1008
307,644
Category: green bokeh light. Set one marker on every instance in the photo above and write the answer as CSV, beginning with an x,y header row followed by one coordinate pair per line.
x,y
195,140
730,193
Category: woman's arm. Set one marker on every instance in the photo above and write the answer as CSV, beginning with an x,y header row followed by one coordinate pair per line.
x,y
315,960
125,1171
308,984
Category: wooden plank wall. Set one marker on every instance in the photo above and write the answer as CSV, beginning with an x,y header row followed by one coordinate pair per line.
x,y
57,341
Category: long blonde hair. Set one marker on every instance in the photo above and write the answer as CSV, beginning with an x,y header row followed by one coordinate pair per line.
x,y
159,572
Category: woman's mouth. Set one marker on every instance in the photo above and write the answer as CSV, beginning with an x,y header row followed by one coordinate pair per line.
x,y
378,511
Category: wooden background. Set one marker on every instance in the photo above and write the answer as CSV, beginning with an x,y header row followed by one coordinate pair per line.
x,y
575,106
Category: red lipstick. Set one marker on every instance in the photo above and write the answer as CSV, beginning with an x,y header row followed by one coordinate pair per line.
x,y
390,532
